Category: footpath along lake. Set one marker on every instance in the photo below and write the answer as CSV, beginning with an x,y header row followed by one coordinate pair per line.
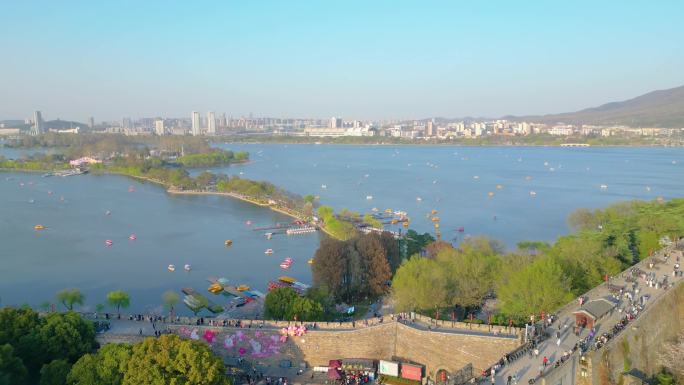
x,y
191,229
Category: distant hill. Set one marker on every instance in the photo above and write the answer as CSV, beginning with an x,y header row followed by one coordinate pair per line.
x,y
63,125
664,108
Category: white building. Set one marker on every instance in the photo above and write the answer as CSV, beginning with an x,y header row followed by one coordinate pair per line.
x,y
335,122
37,124
211,123
196,123
159,127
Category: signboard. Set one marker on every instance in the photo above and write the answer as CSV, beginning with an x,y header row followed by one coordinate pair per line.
x,y
411,372
389,368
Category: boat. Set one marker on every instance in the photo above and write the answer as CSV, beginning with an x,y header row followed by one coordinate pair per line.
x,y
405,224
490,194
324,186
419,199
532,193
223,281
227,242
374,209
499,187
242,288
109,242
49,192
187,267
476,177
108,212
604,187
39,227
528,178
32,201
215,288
131,189
132,237
284,266
310,261
369,197
388,211
461,229
268,251
171,268
248,223
286,279
436,225
433,212
435,219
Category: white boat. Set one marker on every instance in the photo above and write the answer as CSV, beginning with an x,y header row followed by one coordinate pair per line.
x,y
171,268
324,186
476,177
604,187
269,235
187,267
268,251
419,199
369,197
532,193
374,209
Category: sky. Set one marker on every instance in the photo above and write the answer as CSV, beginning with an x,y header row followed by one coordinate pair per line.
x,y
358,59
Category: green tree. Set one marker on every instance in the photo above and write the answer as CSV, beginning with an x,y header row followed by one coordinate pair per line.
x,y
419,284
305,309
278,303
106,367
375,264
70,297
118,299
170,360
66,336
540,286
12,370
54,373
170,299
99,308
414,243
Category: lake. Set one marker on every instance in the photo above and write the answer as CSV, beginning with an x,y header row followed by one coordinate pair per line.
x,y
170,229
177,230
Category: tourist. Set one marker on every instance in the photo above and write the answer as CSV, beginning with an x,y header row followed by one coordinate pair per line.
x,y
545,361
509,379
515,379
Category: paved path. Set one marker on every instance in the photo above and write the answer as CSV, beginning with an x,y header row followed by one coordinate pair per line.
x,y
526,367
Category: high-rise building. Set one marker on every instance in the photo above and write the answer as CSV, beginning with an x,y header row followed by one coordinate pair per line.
x,y
223,122
335,122
159,126
196,123
430,129
211,123
91,122
37,123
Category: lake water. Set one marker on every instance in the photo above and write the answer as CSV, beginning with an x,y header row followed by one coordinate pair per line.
x,y
191,229
177,230
444,178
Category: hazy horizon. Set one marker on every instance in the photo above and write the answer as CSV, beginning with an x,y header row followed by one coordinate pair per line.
x,y
358,60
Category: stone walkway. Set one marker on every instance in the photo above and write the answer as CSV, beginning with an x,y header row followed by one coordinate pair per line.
x,y
527,367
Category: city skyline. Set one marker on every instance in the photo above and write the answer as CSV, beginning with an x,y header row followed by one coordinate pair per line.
x,y
372,61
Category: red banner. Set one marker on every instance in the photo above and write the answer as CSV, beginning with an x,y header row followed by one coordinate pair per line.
x,y
412,372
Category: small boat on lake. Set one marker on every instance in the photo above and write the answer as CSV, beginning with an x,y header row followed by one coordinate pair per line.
x,y
532,193
310,261
324,186
369,197
171,268
132,237
269,235
490,194
227,242
604,187
268,251
187,267
109,242
39,227
215,288
242,288
131,189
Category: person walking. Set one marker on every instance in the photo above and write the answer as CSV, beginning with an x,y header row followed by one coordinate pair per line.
x,y
515,379
545,361
509,379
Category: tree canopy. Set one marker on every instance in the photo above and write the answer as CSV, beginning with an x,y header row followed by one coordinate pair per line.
x,y
70,297
118,299
285,304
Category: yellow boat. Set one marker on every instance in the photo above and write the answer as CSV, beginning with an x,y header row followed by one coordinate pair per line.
x,y
242,288
39,227
310,261
394,221
215,288
286,279
228,242
436,225
433,212
490,194
406,224
435,219
388,211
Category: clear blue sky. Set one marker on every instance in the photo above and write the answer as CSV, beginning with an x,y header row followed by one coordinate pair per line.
x,y
352,58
